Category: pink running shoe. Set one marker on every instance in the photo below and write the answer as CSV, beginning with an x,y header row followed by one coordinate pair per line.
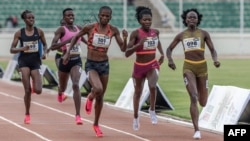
x,y
88,106
61,97
27,119
78,120
98,131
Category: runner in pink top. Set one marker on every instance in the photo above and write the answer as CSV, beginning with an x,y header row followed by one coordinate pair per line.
x,y
73,68
144,41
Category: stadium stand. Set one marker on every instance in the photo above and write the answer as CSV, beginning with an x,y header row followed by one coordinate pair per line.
x,y
218,14
49,12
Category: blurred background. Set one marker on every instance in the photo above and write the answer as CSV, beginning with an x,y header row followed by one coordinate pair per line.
x,y
228,21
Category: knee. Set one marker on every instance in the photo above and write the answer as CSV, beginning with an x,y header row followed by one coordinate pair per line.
x,y
193,98
137,94
27,91
203,103
38,91
98,91
152,87
75,86
138,90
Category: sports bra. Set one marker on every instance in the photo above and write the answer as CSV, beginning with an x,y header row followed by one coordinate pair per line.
x,y
149,46
100,42
193,41
69,34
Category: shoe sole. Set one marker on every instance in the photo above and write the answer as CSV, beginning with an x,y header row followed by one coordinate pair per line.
x,y
78,123
197,137
26,122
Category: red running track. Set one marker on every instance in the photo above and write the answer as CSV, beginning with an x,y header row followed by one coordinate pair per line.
x,y
53,121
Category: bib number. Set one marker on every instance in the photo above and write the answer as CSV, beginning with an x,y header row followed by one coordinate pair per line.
x,y
75,50
100,40
150,43
191,44
33,46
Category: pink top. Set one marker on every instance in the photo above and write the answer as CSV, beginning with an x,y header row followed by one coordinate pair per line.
x,y
150,45
69,34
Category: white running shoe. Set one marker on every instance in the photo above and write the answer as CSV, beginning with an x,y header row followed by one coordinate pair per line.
x,y
153,116
197,135
136,124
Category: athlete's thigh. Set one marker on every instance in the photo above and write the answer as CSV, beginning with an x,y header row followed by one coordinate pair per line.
x,y
37,78
104,79
63,79
190,82
152,77
75,73
202,86
138,84
94,79
25,72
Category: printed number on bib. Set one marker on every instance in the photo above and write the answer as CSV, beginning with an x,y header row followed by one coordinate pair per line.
x,y
100,40
150,43
192,44
33,46
76,49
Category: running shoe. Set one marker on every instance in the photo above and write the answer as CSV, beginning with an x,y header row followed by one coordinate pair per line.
x,y
88,106
153,116
27,119
61,97
98,131
78,120
197,135
136,124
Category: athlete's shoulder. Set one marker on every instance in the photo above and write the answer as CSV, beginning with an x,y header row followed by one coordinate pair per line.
x,y
113,27
60,29
18,32
155,30
39,30
204,32
135,32
90,26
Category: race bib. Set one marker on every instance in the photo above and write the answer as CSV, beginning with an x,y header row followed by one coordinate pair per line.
x,y
33,46
191,44
150,43
75,50
100,40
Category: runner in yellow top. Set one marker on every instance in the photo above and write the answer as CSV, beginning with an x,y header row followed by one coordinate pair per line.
x,y
195,67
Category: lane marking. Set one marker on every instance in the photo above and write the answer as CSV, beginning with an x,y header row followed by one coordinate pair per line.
x,y
68,114
26,129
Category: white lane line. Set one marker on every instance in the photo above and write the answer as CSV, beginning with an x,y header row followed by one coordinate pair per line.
x,y
68,114
32,132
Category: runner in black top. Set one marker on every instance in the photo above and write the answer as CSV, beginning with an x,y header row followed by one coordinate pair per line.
x,y
32,46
